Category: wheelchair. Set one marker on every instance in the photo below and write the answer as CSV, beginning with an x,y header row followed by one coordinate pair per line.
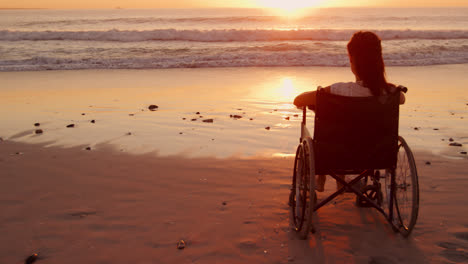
x,y
358,137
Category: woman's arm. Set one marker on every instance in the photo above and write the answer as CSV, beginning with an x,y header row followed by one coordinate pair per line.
x,y
308,98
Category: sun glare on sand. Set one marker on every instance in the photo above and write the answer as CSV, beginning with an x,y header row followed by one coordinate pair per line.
x,y
289,7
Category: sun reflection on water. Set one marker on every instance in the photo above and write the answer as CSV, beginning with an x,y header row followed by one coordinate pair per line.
x,y
278,91
287,90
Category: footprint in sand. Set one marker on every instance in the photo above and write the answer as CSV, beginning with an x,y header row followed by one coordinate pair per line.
x,y
455,255
248,246
455,251
448,245
82,214
462,235
381,260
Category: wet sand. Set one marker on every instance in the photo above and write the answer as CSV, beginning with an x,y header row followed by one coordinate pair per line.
x,y
76,206
118,100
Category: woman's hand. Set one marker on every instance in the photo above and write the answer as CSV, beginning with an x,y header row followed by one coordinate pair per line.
x,y
305,99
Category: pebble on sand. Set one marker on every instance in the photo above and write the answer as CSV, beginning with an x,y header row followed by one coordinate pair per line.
x,y
451,139
455,144
181,244
193,119
38,131
286,118
416,128
296,115
83,114
197,113
153,107
235,116
129,134
267,128
208,120
428,163
93,121
31,259
71,125
88,148
463,152
183,118
37,124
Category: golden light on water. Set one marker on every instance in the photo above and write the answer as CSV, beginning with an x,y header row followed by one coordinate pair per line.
x,y
287,90
280,90
289,8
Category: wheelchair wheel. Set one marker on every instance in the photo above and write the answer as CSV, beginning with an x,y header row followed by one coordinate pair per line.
x,y
406,194
302,198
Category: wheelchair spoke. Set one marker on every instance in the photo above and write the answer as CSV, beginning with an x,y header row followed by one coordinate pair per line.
x,y
406,194
301,199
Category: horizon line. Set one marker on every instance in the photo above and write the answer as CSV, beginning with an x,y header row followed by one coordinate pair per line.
x,y
118,7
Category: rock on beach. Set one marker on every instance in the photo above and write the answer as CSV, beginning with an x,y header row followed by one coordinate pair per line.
x,y
153,107
181,244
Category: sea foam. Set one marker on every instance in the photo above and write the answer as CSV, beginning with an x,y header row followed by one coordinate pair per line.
x,y
227,35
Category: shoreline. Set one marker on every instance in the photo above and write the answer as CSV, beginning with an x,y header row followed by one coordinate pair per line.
x,y
118,99
115,207
232,68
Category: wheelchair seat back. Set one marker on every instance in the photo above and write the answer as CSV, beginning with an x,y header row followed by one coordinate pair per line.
x,y
352,134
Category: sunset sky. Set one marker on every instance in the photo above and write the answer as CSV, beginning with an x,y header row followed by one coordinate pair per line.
x,y
222,3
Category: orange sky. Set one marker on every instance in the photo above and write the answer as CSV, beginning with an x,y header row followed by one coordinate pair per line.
x,y
219,3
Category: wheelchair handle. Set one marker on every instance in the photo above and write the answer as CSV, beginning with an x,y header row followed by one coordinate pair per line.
x,y
402,88
304,112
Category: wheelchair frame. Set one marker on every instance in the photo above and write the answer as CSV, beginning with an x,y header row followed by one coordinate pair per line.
x,y
303,196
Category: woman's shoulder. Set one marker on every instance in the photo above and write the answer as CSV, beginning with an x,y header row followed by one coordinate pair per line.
x,y
343,84
350,89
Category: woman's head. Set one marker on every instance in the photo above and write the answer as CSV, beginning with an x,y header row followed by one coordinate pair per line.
x,y
365,54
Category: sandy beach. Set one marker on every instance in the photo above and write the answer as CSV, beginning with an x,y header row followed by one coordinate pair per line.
x,y
103,206
153,178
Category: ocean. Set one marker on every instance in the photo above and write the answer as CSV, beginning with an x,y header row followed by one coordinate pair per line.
x,y
43,39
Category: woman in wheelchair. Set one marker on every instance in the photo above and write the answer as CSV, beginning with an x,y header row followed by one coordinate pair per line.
x,y
356,133
367,65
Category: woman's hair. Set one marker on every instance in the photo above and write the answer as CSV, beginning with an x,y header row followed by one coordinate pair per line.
x,y
365,52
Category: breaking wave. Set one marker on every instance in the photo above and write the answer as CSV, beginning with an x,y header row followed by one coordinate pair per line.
x,y
233,35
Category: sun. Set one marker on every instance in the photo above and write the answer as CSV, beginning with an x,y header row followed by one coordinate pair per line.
x,y
288,7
